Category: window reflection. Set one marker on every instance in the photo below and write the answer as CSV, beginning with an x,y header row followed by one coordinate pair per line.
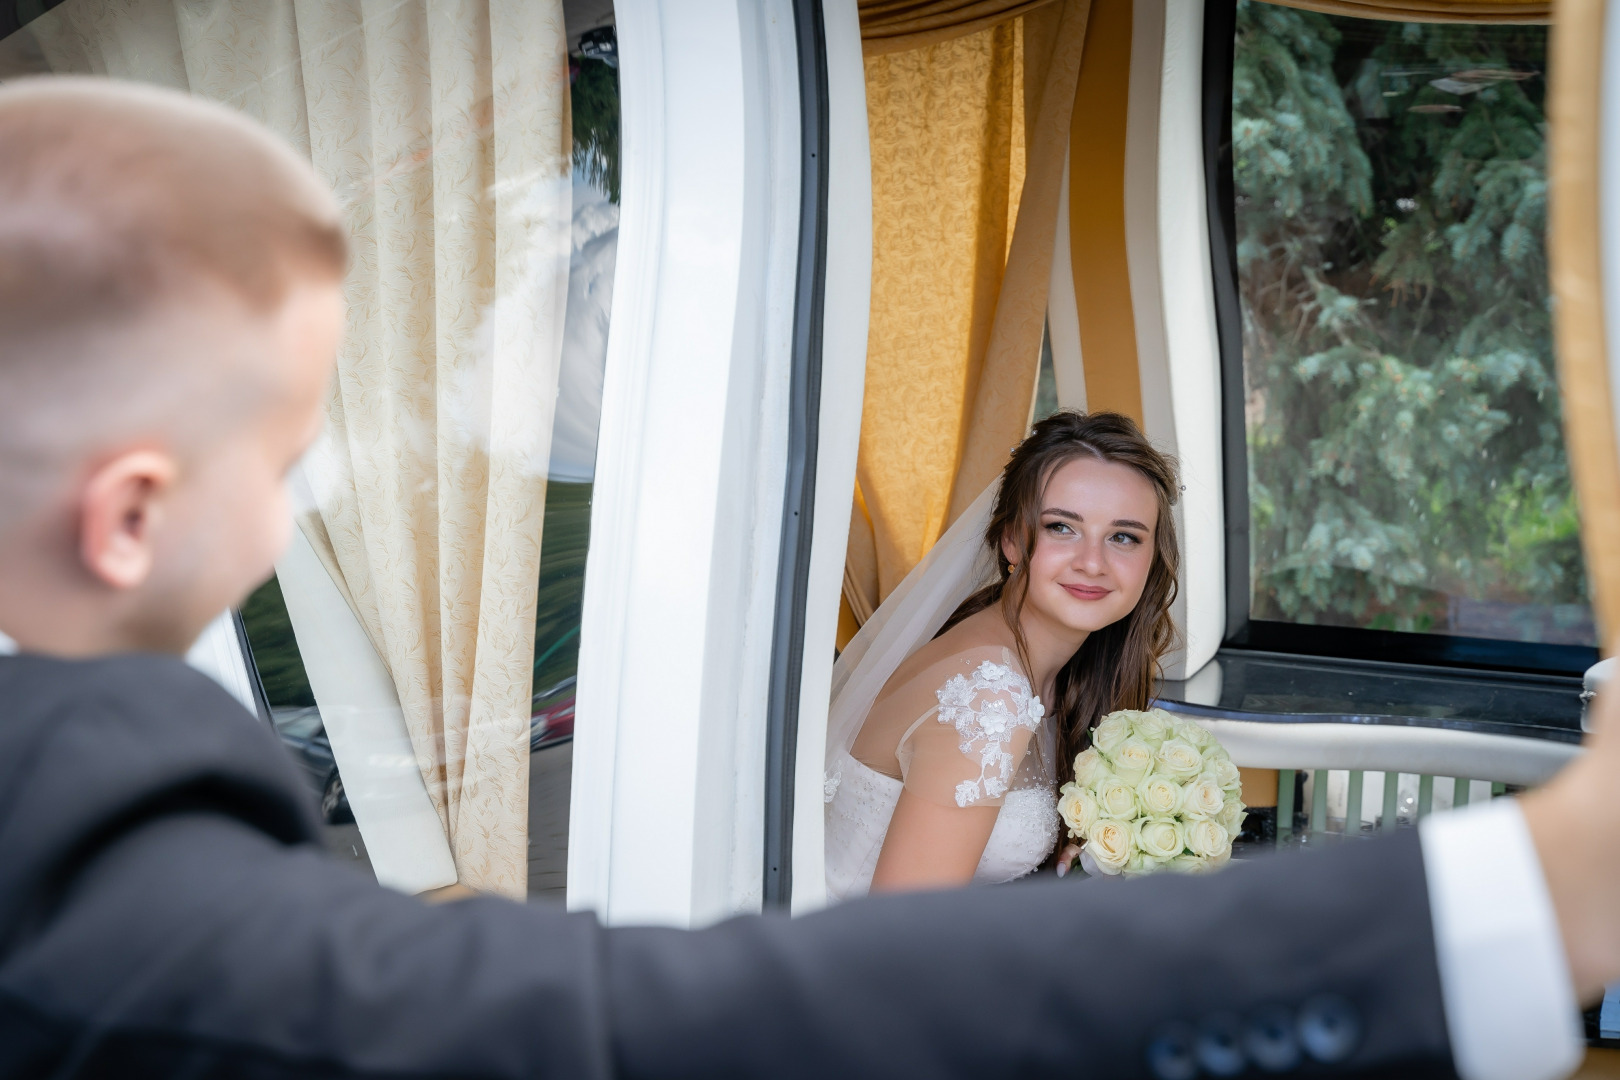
x,y
1407,470
148,40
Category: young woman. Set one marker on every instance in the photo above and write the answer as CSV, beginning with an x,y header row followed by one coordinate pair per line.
x,y
952,775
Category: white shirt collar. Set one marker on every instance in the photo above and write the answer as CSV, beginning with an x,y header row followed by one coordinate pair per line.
x,y
7,646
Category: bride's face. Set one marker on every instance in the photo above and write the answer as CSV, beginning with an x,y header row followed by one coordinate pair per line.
x,y
1094,546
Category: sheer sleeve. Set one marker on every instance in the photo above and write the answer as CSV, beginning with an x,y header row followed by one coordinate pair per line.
x,y
967,751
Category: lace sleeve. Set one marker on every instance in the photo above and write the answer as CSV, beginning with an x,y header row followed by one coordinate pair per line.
x,y
965,752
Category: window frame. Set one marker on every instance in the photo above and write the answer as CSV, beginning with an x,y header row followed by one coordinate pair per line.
x,y
1242,631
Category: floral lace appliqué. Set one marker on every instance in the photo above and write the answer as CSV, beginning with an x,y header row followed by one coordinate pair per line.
x,y
986,724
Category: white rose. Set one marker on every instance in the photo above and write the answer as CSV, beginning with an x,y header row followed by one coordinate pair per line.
x,y
1144,864
1151,727
1226,774
1196,734
1161,837
1078,809
1089,767
1180,759
1207,838
1186,864
1110,731
1110,845
1116,798
1231,817
1132,760
1204,797
1159,796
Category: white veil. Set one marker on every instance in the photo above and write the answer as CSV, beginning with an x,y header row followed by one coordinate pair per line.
x,y
956,567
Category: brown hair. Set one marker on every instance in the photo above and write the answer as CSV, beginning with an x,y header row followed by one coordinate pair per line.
x,y
1117,666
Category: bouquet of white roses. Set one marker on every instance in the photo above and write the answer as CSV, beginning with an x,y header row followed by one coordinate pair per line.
x,y
1152,792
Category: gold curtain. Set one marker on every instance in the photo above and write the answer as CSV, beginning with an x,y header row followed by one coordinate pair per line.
x,y
968,139
1491,11
443,127
897,25
1575,256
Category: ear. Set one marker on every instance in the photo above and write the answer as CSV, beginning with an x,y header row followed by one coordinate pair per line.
x,y
1009,550
120,510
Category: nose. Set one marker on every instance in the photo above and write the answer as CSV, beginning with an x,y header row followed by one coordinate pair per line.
x,y
1089,556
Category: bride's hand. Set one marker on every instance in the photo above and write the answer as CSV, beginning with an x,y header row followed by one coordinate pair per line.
x,y
1066,858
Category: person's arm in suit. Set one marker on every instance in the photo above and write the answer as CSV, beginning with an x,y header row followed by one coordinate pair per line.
x,y
190,925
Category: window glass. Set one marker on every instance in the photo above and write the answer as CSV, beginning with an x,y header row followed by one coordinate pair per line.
x,y
147,40
1406,464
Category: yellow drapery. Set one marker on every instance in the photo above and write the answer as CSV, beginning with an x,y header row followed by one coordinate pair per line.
x,y
897,25
968,138
1575,258
1493,11
443,127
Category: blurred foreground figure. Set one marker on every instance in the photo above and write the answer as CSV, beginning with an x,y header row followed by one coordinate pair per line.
x,y
169,308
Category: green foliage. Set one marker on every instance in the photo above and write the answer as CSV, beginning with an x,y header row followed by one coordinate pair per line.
x,y
275,650
563,546
595,103
1403,415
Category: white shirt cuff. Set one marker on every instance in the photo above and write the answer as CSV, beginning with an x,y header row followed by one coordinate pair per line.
x,y
1510,1005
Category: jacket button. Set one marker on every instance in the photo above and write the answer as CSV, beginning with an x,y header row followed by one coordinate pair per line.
x,y
1220,1046
1270,1040
1329,1029
1170,1054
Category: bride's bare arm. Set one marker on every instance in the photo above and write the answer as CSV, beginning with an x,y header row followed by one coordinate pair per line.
x,y
929,846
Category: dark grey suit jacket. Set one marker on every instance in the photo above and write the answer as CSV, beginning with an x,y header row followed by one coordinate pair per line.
x,y
165,910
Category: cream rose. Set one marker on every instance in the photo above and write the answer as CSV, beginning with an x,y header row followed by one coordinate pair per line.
x,y
1110,731
1110,845
1186,864
1089,767
1151,727
1158,796
1196,734
1161,837
1132,760
1078,809
1231,817
1204,797
1180,760
1207,838
1144,864
1116,798
1226,774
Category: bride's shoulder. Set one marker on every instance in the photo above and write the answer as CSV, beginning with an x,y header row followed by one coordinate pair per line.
x,y
957,664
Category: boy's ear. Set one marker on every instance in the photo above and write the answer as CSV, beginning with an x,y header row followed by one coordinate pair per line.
x,y
119,510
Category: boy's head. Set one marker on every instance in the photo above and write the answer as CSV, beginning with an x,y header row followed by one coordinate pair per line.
x,y
170,305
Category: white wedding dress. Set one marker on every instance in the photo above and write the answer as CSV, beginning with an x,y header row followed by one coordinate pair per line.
x,y
977,734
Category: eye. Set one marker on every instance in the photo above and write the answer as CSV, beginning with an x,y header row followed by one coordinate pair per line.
x,y
1059,528
1125,538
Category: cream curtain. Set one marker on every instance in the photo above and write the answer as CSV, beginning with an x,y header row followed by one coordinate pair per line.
x,y
968,140
443,126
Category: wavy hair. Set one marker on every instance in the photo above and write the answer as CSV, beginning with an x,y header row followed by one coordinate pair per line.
x,y
1116,667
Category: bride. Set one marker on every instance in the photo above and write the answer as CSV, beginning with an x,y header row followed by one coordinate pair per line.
x,y
944,759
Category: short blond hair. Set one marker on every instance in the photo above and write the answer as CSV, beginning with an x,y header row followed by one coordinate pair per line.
x,y
118,201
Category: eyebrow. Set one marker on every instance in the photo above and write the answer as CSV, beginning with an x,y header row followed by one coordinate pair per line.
x,y
1119,523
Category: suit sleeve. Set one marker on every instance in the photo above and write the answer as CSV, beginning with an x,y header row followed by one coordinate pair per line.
x,y
270,960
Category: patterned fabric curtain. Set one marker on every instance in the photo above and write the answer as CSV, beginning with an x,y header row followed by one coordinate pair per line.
x,y
897,25
443,126
1495,11
968,141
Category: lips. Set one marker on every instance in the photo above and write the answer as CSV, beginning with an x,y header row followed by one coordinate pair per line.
x,y
1086,592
